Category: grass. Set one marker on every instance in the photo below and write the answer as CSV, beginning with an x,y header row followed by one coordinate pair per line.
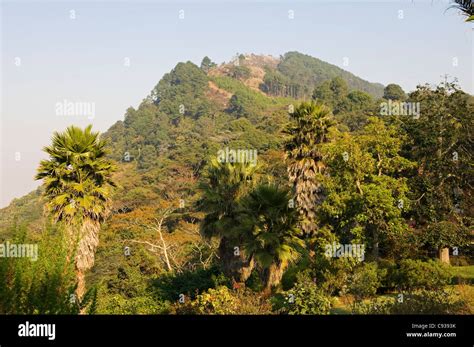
x,y
341,306
466,293
463,274
464,285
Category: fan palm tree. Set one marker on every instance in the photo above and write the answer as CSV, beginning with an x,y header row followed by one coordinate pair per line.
x,y
223,185
309,131
269,229
77,180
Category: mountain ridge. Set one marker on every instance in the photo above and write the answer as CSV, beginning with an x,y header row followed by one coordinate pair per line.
x,y
238,88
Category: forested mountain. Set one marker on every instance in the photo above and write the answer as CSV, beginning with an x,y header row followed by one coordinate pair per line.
x,y
375,182
193,111
298,74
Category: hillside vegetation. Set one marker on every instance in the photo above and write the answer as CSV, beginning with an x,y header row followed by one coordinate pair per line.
x,y
183,232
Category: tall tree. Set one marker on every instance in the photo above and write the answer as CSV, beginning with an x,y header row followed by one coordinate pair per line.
x,y
331,92
77,181
223,185
270,231
394,92
366,193
307,134
441,142
207,64
339,87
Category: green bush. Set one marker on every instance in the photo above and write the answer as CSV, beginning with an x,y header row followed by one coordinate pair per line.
x,y
170,286
222,301
45,285
462,261
365,281
380,305
421,301
252,303
387,269
255,282
429,302
214,301
304,298
417,274
118,304
462,274
334,274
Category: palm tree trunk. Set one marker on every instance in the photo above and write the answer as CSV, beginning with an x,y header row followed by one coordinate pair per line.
x,y
238,267
273,276
81,283
85,256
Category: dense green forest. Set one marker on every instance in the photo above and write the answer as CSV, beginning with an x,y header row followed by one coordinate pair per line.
x,y
259,186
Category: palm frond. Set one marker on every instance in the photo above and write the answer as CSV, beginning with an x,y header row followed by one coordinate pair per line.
x,y
466,7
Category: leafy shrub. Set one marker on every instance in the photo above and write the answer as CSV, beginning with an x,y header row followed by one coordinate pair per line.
x,y
466,294
252,303
417,274
214,301
429,302
222,300
365,281
304,298
170,286
118,304
380,305
334,274
418,302
44,286
462,274
387,269
255,282
461,261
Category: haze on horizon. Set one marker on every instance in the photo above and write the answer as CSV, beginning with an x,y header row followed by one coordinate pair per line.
x,y
112,54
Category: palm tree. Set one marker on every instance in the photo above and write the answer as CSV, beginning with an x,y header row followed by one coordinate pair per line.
x,y
466,7
77,180
309,131
223,185
269,227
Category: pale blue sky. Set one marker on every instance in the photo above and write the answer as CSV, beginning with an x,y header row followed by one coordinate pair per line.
x,y
82,59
